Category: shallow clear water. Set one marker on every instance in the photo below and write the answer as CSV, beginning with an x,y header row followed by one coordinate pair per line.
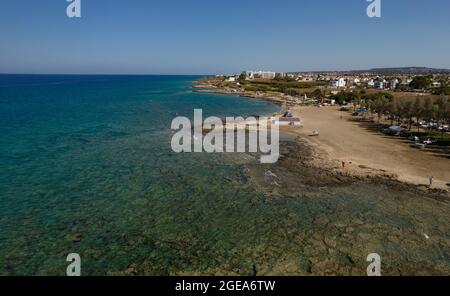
x,y
87,168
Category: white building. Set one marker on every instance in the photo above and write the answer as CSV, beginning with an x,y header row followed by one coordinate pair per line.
x,y
338,83
379,85
268,75
260,74
394,83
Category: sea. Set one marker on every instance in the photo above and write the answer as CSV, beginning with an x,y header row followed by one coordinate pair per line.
x,y
87,168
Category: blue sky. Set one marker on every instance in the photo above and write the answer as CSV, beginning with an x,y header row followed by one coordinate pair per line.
x,y
212,36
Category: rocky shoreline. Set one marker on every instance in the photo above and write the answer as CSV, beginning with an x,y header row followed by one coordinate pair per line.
x,y
303,168
346,217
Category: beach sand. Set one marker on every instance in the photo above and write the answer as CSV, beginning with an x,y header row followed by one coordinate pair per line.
x,y
366,152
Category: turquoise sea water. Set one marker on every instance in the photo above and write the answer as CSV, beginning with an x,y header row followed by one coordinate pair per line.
x,y
86,167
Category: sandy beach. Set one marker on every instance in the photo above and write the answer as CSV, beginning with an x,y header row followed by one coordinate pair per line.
x,y
365,152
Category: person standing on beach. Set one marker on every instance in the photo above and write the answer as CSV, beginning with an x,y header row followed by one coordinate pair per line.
x,y
431,180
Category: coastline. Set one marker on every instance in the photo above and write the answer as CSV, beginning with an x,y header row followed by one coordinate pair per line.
x,y
329,155
206,87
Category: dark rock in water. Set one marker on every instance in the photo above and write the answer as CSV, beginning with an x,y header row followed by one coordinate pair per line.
x,y
74,238
350,259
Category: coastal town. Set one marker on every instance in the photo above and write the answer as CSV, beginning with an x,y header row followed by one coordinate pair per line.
x,y
377,122
322,87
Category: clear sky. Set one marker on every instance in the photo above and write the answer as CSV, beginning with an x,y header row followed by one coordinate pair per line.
x,y
212,36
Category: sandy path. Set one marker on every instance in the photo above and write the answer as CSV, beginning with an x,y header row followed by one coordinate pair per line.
x,y
344,140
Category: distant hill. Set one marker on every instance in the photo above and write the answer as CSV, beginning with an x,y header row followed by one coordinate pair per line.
x,y
390,71
408,70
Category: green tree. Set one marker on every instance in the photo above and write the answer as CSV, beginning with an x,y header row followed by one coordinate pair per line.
x,y
344,96
428,110
443,90
443,79
418,111
380,107
392,109
408,112
318,95
421,82
441,110
400,111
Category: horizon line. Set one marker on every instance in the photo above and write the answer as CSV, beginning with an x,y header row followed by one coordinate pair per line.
x,y
210,74
105,74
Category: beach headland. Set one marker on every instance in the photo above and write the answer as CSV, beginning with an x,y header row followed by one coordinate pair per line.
x,y
215,87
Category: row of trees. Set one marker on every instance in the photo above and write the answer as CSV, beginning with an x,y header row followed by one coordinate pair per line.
x,y
400,110
424,83
410,111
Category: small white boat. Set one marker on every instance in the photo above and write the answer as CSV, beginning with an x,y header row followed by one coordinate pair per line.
x,y
314,134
